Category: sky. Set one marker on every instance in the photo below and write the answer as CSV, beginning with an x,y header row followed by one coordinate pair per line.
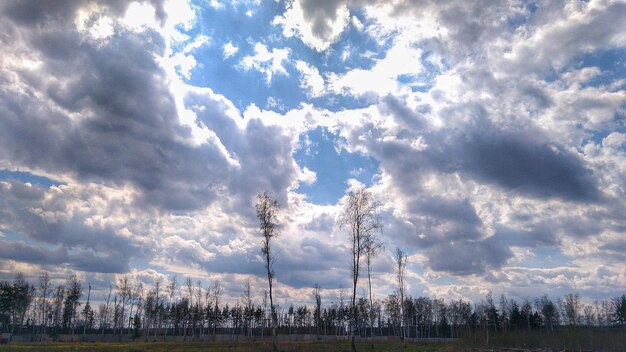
x,y
135,136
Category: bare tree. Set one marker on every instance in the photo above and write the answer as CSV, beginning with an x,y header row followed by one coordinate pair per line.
x,y
44,289
104,318
342,295
189,317
136,300
372,247
263,324
22,296
71,303
216,292
267,212
571,309
172,287
401,259
124,290
157,302
360,213
318,307
248,303
198,308
87,313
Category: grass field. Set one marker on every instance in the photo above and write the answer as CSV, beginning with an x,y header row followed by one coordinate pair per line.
x,y
608,340
573,339
230,346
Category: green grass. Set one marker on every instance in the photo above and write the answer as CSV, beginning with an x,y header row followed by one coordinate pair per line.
x,y
229,346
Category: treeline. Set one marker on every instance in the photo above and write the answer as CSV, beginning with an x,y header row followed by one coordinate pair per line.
x,y
187,309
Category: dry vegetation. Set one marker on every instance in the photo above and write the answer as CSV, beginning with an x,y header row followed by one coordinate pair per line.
x,y
230,346
571,339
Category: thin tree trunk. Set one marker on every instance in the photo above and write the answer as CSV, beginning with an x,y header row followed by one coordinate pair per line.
x,y
369,283
106,312
272,308
353,318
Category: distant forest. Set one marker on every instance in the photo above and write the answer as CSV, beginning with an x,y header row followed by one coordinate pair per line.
x,y
187,309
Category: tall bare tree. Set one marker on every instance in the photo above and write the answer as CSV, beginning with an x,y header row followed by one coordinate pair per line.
x,y
71,303
401,259
372,247
44,289
267,213
318,308
124,291
157,303
360,214
216,292
248,306
104,318
87,312
172,287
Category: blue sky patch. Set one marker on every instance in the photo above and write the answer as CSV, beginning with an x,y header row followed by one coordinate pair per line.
x,y
333,165
27,177
546,257
612,64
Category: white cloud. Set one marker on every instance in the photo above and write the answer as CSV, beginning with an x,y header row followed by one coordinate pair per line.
x,y
184,64
615,140
229,50
267,62
310,79
356,23
565,33
93,23
139,16
216,4
198,41
382,79
307,176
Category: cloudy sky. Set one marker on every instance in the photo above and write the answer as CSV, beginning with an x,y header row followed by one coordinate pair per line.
x,y
134,138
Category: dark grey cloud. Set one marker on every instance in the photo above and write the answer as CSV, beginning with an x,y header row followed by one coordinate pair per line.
x,y
533,236
523,162
405,116
22,252
518,160
263,152
111,262
465,257
543,170
322,223
41,11
127,129
449,233
314,261
459,210
307,279
320,14
44,220
616,249
60,257
103,112
297,264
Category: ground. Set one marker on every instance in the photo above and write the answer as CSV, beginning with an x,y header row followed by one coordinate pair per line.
x,y
230,346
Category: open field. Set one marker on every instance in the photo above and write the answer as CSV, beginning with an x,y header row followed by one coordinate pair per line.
x,y
229,346
574,339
